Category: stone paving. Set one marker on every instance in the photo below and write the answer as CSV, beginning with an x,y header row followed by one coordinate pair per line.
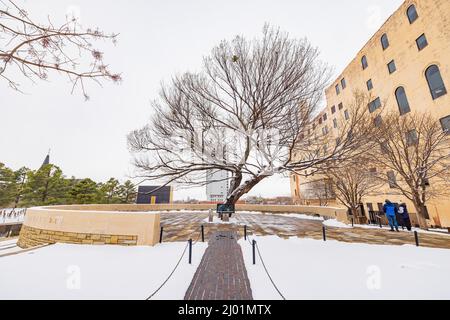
x,y
221,274
185,225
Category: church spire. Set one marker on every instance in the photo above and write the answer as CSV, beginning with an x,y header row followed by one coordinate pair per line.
x,y
47,159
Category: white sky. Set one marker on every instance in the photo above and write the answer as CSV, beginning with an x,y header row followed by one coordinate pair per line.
x,y
157,39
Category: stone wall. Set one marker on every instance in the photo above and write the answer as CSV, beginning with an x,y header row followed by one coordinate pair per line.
x,y
31,237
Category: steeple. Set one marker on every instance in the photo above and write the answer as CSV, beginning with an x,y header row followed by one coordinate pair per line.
x,y
47,159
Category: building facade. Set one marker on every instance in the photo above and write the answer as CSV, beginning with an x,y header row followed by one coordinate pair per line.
x,y
408,58
154,195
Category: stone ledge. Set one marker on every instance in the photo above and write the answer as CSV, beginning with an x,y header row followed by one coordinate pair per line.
x,y
32,237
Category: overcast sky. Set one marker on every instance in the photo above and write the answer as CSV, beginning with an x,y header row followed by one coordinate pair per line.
x,y
157,39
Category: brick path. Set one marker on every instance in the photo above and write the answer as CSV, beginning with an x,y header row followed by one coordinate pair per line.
x,y
221,274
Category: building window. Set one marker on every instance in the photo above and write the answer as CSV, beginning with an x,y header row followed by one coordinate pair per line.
x,y
374,105
346,115
333,109
435,82
402,101
364,62
325,117
343,84
412,13
445,123
422,42
384,41
335,124
392,180
391,66
378,121
369,84
320,121
325,130
341,106
338,90
411,138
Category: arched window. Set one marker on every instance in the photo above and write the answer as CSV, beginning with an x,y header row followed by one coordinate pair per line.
x,y
384,41
402,101
412,13
364,62
435,82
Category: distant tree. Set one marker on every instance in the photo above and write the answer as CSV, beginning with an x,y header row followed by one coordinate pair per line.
x,y
352,182
414,153
248,112
7,185
322,190
84,192
127,192
110,191
35,49
45,186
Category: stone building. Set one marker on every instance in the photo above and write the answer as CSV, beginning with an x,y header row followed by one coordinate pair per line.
x,y
406,66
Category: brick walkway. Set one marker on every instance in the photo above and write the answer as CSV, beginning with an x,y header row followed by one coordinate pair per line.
x,y
221,274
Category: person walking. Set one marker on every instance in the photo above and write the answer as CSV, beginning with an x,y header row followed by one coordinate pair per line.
x,y
390,210
403,211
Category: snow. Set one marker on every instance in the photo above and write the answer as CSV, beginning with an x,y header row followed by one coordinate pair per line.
x,y
8,246
104,272
311,269
18,216
336,224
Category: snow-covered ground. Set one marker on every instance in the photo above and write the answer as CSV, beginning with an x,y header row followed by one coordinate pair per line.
x,y
64,271
8,246
311,269
17,216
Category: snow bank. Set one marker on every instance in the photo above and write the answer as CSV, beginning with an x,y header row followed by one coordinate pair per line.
x,y
17,216
336,224
311,269
104,272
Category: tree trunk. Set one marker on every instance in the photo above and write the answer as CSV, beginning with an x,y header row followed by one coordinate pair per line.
x,y
420,213
240,191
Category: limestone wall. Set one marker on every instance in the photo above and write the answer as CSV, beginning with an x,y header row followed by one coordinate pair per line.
x,y
86,225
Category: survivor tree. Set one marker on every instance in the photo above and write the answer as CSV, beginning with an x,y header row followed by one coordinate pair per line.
x,y
249,112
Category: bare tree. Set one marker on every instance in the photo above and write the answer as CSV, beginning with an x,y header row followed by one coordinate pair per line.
x,y
249,112
320,189
33,50
415,152
353,181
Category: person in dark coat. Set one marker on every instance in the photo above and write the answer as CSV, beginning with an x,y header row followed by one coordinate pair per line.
x,y
403,211
390,210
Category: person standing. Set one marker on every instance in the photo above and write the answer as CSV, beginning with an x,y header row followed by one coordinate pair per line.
x,y
390,210
403,211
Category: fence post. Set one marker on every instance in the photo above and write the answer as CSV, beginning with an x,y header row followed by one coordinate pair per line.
x,y
245,232
203,234
161,234
379,221
353,224
190,251
416,236
324,233
254,253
